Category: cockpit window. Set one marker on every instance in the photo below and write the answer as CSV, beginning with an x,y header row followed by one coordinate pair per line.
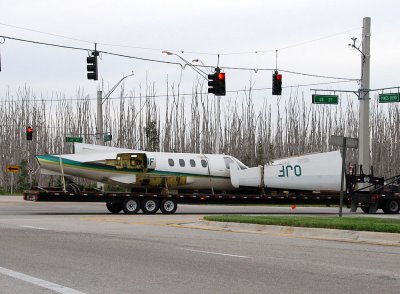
x,y
228,161
241,164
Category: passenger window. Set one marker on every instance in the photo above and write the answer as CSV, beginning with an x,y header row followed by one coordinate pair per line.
x,y
171,162
181,162
192,163
228,161
204,163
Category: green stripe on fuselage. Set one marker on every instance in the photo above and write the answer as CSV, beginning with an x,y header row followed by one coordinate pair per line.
x,y
55,160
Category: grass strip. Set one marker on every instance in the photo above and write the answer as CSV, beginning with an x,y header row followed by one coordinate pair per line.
x,y
344,223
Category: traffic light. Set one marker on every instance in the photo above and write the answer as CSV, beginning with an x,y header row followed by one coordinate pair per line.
x,y
276,83
216,83
29,133
92,66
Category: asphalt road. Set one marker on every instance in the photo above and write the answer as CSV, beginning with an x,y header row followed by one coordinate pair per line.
x,y
79,248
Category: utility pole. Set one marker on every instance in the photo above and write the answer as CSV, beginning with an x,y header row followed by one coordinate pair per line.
x,y
99,127
364,128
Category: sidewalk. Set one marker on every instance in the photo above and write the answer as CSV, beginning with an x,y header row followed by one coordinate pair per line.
x,y
389,239
6,198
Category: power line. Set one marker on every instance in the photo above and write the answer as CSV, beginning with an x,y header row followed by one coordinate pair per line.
x,y
169,95
45,33
170,62
89,50
187,51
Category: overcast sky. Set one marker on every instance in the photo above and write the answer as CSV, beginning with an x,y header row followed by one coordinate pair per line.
x,y
195,28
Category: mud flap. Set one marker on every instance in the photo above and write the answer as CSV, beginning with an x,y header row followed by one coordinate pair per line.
x,y
353,207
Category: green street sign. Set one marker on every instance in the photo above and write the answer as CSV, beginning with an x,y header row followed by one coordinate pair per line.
x,y
107,138
325,99
389,97
74,139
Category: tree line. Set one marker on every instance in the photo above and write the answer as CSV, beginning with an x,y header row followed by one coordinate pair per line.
x,y
254,131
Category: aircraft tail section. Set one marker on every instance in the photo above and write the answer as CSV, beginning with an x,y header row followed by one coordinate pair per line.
x,y
311,172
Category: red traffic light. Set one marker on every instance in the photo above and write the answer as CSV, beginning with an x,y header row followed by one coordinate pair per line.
x,y
29,133
276,83
216,83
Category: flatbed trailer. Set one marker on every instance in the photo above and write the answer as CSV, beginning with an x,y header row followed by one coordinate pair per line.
x,y
149,203
378,194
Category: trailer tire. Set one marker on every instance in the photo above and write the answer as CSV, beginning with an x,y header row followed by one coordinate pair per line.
x,y
391,206
168,206
365,209
114,207
150,205
131,205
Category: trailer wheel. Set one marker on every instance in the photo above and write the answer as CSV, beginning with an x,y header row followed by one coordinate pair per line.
x,y
168,206
391,206
365,209
131,206
114,207
150,205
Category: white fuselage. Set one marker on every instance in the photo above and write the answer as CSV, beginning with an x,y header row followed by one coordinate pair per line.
x,y
195,171
133,168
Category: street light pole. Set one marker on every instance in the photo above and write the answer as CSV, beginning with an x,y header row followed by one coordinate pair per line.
x,y
202,73
99,131
100,101
218,107
218,116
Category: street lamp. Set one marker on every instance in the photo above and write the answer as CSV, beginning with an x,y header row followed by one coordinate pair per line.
x,y
205,76
202,73
100,101
197,60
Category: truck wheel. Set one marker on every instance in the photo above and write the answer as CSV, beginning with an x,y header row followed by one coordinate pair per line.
x,y
131,205
168,206
391,206
114,207
150,205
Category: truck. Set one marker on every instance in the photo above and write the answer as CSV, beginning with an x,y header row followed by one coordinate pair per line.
x,y
161,180
378,194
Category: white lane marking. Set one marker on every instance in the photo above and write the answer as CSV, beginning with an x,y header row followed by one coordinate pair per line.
x,y
32,227
42,283
215,253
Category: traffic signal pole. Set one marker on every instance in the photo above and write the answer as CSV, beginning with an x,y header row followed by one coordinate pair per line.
x,y
364,129
363,93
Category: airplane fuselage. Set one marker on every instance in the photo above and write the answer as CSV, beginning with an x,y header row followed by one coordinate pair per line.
x,y
142,169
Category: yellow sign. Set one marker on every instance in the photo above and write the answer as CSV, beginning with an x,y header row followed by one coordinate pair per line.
x,y
13,168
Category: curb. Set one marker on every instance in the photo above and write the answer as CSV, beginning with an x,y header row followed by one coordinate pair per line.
x,y
375,238
15,198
